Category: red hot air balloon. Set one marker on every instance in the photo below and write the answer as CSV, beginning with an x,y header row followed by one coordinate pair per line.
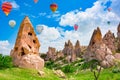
x,y
75,27
53,7
109,9
6,7
35,1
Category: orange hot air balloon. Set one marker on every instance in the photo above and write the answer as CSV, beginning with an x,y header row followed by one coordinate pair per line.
x,y
35,1
6,7
53,7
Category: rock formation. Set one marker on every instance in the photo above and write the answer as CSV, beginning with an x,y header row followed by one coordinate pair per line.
x,y
99,51
26,50
118,36
69,51
52,54
109,40
77,49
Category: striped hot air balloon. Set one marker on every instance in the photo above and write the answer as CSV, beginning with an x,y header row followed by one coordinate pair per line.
x,y
6,7
53,7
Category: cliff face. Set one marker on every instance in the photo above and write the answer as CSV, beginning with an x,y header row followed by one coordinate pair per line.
x,y
26,50
99,51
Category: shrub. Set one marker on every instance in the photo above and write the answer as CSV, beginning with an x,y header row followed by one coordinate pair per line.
x,y
116,70
68,69
5,61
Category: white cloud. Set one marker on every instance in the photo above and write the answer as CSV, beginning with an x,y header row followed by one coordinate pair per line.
x,y
27,5
55,15
5,47
42,14
91,18
13,2
51,36
15,5
116,6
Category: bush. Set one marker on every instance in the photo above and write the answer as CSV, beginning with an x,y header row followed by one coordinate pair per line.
x,y
5,61
116,70
68,69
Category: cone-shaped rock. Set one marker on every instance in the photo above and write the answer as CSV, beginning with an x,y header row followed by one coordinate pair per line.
x,y
51,54
118,35
109,40
69,51
77,49
96,37
99,51
26,50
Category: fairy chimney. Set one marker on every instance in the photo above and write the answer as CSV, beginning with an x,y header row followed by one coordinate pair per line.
x,y
77,49
26,50
69,51
118,35
109,40
97,50
51,54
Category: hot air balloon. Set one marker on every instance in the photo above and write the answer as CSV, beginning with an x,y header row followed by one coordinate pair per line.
x,y
109,9
35,1
75,27
12,23
108,22
53,7
39,28
6,7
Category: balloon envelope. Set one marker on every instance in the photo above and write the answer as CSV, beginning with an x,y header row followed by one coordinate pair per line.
x,y
12,23
108,22
35,1
75,27
6,7
109,9
53,7
39,28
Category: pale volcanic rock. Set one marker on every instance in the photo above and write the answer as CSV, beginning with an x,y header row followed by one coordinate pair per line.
x,y
69,51
118,36
77,49
109,40
99,51
26,50
51,54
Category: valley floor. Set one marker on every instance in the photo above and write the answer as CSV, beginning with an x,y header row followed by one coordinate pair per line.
x,y
27,74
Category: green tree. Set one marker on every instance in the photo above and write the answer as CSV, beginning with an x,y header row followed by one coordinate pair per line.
x,y
5,61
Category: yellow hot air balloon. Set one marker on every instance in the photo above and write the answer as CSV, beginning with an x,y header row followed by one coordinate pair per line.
x,y
53,7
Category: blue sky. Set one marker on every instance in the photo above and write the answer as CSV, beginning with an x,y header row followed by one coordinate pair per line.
x,y
58,26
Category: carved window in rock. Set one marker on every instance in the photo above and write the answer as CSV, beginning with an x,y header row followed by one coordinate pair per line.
x,y
34,41
93,43
22,52
29,46
29,33
16,48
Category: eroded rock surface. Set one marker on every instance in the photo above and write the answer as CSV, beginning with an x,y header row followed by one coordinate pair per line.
x,y
26,50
